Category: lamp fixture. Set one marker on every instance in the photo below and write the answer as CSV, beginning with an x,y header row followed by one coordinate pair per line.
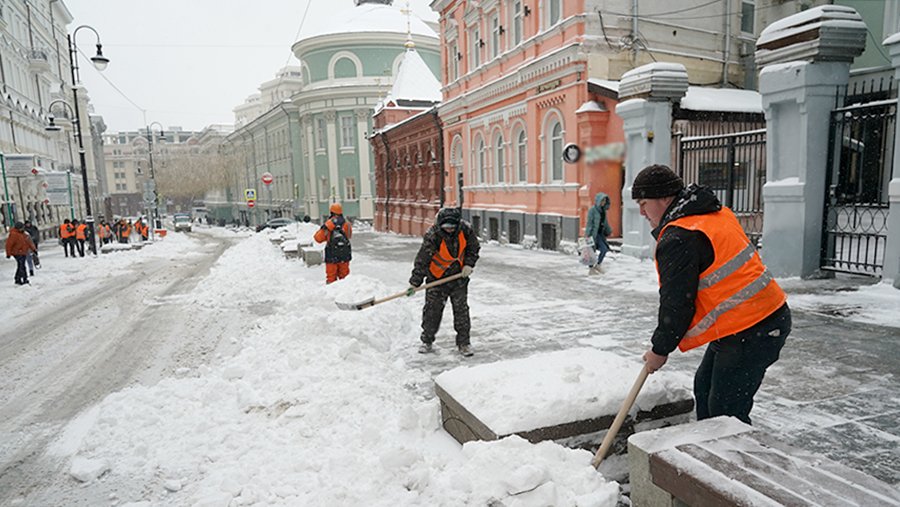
x,y
501,30
526,11
481,43
100,62
458,55
52,126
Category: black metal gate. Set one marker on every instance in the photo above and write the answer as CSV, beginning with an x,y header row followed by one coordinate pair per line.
x,y
860,161
733,166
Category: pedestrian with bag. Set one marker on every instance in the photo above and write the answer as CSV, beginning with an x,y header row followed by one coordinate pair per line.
x,y
449,247
19,245
714,290
31,259
336,233
598,229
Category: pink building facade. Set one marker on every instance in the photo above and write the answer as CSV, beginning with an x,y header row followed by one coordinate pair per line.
x,y
516,92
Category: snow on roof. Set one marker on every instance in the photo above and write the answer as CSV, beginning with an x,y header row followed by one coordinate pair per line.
x,y
606,83
368,18
591,105
722,99
415,81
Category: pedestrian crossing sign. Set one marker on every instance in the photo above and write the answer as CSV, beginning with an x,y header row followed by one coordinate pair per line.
x,y
249,194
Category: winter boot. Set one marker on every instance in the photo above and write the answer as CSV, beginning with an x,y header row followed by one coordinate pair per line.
x,y
425,348
466,350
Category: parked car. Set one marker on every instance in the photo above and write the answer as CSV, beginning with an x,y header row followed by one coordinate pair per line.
x,y
275,223
182,222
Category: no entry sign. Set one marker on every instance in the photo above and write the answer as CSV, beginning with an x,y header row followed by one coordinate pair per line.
x,y
267,178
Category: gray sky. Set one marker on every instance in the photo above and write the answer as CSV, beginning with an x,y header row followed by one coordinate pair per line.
x,y
189,62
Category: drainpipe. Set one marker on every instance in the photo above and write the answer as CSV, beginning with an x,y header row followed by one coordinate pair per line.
x,y
727,43
387,182
634,29
440,152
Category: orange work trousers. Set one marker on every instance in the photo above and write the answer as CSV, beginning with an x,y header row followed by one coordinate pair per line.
x,y
335,271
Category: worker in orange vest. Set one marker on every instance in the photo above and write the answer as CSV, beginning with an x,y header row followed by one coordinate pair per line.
x,y
449,247
714,291
67,237
80,236
336,233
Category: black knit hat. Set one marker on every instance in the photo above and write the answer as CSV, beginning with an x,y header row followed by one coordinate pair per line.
x,y
656,181
448,217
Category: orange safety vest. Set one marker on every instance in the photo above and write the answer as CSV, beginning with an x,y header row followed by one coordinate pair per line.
x,y
126,231
66,231
104,231
442,260
737,291
80,231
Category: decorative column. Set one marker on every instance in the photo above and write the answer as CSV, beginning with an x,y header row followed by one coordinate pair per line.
x,y
647,93
366,203
805,61
312,183
334,190
892,252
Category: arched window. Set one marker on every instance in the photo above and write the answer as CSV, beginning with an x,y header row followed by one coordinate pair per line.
x,y
479,160
556,173
499,160
344,68
522,156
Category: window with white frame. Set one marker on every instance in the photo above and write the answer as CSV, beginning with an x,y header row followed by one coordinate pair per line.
x,y
748,16
555,152
495,35
554,11
499,161
453,62
320,134
522,156
517,23
346,132
479,159
475,51
350,188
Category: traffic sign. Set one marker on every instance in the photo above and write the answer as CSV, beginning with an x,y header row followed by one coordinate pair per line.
x,y
251,204
249,194
267,178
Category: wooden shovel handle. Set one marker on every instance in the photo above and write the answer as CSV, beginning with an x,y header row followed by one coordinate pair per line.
x,y
620,418
435,283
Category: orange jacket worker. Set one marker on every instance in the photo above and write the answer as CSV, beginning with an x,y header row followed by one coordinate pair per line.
x,y
336,233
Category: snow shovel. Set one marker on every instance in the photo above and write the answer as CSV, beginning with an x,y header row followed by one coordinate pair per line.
x,y
620,418
372,301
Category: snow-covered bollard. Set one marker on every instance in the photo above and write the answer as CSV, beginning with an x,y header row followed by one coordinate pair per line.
x,y
569,396
86,469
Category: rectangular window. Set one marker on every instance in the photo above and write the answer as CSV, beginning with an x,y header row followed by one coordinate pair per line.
x,y
324,191
475,53
555,11
495,36
453,63
748,17
346,132
350,188
517,23
320,134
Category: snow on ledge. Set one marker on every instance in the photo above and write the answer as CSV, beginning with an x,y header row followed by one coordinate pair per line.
x,y
559,387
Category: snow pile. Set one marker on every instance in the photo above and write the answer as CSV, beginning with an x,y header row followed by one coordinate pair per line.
x,y
317,408
874,304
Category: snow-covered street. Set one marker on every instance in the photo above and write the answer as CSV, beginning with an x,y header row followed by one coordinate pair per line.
x,y
207,369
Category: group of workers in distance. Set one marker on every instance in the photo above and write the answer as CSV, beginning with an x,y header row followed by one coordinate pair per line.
x,y
73,234
714,288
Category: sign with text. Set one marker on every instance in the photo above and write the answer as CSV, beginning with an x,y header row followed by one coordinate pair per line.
x,y
19,165
57,188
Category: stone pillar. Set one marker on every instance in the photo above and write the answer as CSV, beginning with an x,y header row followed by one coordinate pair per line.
x,y
805,60
312,182
366,175
647,93
892,252
334,191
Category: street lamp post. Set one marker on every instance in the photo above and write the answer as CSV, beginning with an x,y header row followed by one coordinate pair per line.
x,y
157,224
100,62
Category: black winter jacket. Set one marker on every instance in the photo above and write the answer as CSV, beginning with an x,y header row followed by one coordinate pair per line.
x,y
431,243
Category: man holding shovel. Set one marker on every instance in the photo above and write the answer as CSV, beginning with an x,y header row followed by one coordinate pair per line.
x,y
448,248
714,289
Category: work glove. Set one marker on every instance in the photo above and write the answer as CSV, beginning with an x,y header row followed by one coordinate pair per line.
x,y
411,290
466,271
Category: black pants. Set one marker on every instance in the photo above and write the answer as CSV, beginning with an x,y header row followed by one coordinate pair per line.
x,y
436,299
69,246
733,367
80,248
21,272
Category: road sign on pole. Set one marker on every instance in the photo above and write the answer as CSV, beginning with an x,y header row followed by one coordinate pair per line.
x,y
267,178
251,204
249,194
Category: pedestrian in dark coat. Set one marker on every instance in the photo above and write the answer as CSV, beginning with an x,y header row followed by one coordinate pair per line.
x,y
336,233
598,229
31,259
714,290
18,245
449,247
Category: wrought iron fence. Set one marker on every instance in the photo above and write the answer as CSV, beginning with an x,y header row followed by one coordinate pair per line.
x,y
733,166
860,161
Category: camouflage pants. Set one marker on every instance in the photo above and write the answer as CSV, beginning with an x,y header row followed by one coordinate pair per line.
x,y
436,299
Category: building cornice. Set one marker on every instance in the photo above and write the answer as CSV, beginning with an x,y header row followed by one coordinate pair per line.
x,y
330,41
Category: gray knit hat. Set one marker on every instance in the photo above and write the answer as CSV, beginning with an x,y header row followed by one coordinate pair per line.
x,y
656,181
